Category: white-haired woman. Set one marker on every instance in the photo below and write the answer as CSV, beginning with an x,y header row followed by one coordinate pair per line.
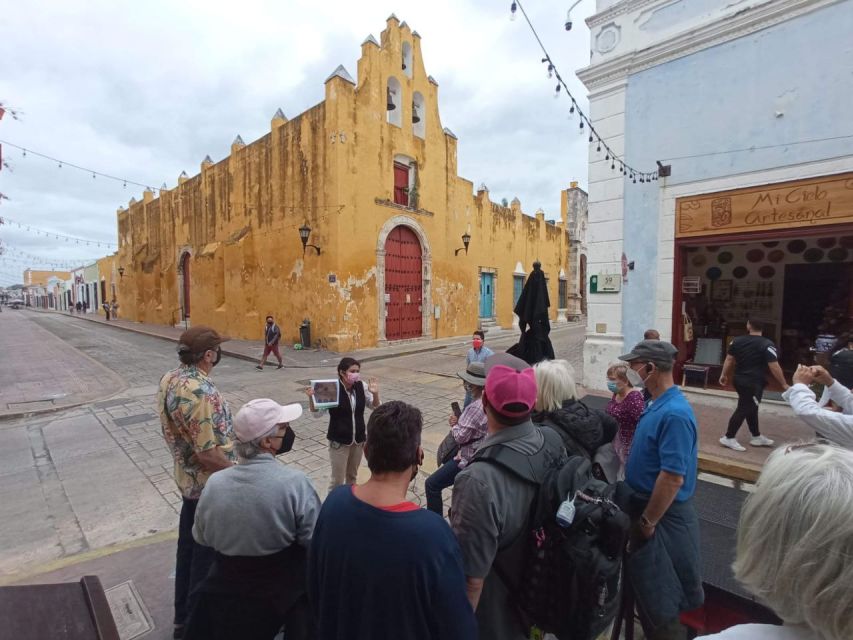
x,y
583,429
795,545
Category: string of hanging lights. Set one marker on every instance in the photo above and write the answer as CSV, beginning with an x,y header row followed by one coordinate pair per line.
x,y
53,234
585,125
63,163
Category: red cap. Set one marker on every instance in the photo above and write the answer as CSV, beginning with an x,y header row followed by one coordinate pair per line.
x,y
508,385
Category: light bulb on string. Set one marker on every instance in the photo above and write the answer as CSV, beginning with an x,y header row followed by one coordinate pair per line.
x,y
580,126
60,165
590,137
613,165
572,108
550,71
512,9
599,146
24,152
557,91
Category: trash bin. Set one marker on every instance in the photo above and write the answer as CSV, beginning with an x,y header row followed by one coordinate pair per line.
x,y
305,333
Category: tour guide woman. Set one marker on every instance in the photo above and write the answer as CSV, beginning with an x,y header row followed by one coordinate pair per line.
x,y
346,432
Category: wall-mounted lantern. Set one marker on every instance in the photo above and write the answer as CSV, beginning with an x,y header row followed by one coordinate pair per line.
x,y
466,240
304,234
121,272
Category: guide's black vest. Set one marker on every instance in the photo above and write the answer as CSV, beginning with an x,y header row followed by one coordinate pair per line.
x,y
341,417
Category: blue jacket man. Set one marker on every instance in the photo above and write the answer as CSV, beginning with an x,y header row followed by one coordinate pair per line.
x,y
663,561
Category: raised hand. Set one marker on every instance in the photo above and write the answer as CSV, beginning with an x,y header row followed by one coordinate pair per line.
x,y
373,385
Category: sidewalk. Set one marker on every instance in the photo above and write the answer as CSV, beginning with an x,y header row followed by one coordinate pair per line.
x,y
251,350
47,374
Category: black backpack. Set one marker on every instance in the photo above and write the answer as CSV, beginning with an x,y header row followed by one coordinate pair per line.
x,y
564,581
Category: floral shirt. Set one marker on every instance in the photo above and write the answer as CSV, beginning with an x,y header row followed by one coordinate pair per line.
x,y
194,417
627,413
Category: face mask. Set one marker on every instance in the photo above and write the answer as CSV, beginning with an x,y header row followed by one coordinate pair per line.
x,y
612,386
218,356
269,323
352,378
478,344
635,379
286,441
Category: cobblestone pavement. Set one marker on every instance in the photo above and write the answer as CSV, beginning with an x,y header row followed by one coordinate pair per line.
x,y
100,474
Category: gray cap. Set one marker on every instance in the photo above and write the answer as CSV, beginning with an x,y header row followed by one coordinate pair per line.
x,y
651,351
475,374
507,360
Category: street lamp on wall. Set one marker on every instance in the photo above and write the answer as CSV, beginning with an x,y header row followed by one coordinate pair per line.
x,y
466,240
121,272
304,234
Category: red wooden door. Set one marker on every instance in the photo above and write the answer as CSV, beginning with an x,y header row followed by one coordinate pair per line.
x,y
401,184
403,285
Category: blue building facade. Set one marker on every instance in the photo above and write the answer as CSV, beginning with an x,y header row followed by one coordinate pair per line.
x,y
735,97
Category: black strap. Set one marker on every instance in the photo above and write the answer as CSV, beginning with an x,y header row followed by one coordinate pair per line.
x,y
529,468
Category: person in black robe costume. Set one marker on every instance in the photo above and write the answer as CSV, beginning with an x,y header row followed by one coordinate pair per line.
x,y
532,311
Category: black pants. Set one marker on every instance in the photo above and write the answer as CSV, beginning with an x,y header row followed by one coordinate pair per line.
x,y
192,564
748,398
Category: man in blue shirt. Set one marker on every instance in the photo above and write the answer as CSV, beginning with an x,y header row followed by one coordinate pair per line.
x,y
663,562
477,353
380,567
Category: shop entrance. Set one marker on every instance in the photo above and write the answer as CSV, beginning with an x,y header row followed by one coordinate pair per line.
x,y
798,282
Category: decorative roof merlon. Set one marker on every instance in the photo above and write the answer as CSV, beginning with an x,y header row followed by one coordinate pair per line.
x,y
403,24
482,187
163,187
433,80
207,160
393,17
415,34
370,40
342,73
239,141
448,132
184,174
279,115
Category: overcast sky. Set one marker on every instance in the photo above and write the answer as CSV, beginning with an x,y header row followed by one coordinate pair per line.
x,y
144,90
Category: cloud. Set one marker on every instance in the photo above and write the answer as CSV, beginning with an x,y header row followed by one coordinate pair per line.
x,y
146,90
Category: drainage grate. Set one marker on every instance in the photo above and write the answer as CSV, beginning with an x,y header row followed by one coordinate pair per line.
x,y
129,612
129,420
30,405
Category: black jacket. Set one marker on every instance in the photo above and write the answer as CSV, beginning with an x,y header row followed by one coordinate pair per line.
x,y
341,417
582,429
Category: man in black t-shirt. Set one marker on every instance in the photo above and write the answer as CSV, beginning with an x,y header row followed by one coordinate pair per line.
x,y
750,356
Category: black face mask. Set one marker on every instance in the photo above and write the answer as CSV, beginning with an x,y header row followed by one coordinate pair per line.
x,y
218,356
287,441
269,323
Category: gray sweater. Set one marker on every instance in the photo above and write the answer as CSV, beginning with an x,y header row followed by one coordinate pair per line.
x,y
256,508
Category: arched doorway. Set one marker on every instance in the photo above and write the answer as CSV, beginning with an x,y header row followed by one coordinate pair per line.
x,y
403,285
184,270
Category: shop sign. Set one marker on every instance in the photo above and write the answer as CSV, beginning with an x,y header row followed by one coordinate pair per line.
x,y
605,283
800,203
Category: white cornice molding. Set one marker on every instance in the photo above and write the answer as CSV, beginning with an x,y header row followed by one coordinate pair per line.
x,y
725,29
618,9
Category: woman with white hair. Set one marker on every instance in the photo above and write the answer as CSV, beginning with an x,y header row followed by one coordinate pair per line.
x,y
583,430
795,545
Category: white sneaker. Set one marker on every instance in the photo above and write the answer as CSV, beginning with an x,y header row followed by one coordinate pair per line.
x,y
761,441
732,443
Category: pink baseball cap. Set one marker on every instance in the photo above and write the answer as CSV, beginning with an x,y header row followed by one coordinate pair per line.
x,y
510,381
257,417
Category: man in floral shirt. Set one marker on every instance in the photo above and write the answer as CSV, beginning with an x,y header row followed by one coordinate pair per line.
x,y
197,427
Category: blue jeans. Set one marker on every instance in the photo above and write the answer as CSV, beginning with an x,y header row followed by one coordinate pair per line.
x,y
192,564
442,478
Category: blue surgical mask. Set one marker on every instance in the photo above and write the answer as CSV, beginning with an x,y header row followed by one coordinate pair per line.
x,y
612,386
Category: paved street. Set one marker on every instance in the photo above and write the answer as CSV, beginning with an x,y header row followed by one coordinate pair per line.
x,y
100,474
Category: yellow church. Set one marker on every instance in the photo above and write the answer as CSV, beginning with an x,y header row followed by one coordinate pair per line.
x,y
351,215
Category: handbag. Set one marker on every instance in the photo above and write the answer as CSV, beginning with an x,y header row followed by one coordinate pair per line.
x,y
447,450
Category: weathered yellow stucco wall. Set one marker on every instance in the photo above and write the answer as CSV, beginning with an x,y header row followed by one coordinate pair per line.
x,y
332,169
108,274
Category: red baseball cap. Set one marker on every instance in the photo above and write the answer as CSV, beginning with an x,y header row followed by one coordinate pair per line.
x,y
510,385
